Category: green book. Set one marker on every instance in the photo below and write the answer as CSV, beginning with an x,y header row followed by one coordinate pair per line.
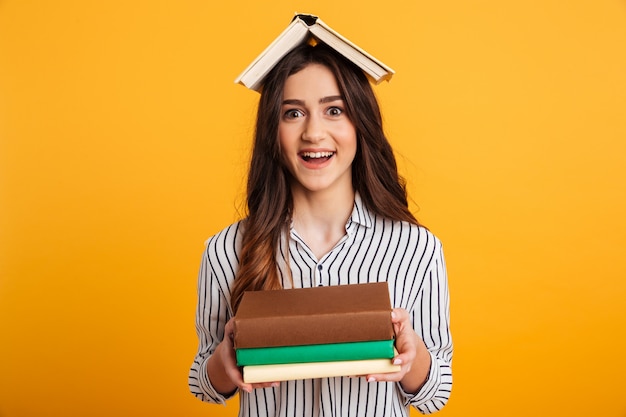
x,y
329,352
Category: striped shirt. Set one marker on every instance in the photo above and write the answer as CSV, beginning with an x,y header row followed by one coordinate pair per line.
x,y
408,257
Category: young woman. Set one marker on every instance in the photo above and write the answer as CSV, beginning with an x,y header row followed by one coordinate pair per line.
x,y
326,206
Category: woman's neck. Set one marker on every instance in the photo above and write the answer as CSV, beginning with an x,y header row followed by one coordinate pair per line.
x,y
320,218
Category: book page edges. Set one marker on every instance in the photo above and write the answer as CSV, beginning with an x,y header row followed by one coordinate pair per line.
x,y
289,38
378,76
287,372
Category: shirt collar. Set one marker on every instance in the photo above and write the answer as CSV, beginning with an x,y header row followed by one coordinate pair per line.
x,y
360,214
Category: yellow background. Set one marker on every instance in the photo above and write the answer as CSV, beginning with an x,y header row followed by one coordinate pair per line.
x,y
123,146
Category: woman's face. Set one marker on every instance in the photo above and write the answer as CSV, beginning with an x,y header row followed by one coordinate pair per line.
x,y
318,141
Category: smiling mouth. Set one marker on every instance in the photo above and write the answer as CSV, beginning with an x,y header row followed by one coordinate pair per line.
x,y
316,156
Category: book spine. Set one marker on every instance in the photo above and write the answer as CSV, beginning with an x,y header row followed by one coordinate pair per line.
x,y
287,372
313,329
378,349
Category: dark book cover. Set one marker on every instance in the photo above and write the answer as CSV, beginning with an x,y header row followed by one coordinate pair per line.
x,y
303,316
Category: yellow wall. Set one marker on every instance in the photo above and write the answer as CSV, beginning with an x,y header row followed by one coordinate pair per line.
x,y
123,143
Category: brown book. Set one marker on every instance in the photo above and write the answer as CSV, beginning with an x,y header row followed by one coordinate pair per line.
x,y
307,316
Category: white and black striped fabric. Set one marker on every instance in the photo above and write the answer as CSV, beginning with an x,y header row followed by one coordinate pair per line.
x,y
408,257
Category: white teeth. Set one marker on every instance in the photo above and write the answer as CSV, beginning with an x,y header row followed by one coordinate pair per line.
x,y
317,154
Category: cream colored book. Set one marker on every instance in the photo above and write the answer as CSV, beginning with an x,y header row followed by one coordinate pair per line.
x,y
302,28
286,372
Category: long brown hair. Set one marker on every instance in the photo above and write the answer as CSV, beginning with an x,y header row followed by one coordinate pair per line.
x,y
374,170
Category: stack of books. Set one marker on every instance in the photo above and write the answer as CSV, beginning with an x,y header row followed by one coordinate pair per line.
x,y
319,332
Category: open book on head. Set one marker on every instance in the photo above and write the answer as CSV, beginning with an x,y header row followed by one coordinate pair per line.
x,y
306,28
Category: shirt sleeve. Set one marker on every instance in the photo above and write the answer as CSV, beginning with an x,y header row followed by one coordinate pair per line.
x,y
211,316
431,319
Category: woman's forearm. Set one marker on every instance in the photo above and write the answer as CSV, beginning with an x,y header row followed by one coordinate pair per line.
x,y
418,374
217,373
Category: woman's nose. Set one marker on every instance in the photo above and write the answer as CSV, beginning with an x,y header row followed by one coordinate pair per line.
x,y
314,129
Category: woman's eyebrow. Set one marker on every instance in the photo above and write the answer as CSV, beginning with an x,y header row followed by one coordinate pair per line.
x,y
297,102
330,99
294,101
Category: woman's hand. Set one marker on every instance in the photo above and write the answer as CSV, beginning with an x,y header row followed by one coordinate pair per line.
x,y
413,356
223,371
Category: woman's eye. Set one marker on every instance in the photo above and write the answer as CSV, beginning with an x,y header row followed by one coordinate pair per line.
x,y
293,114
334,111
